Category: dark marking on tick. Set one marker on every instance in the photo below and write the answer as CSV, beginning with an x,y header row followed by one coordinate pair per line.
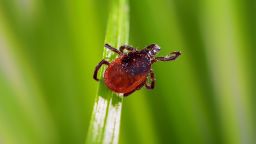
x,y
136,63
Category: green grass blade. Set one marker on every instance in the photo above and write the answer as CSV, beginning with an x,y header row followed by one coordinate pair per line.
x,y
105,120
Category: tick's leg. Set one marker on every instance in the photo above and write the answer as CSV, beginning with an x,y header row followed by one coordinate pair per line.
x,y
128,48
152,78
113,49
98,67
170,57
151,46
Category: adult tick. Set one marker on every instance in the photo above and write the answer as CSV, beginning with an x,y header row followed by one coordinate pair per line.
x,y
132,70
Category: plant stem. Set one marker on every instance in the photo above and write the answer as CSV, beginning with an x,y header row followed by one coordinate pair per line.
x,y
105,121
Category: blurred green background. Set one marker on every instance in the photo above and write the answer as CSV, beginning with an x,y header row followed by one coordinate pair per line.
x,y
49,48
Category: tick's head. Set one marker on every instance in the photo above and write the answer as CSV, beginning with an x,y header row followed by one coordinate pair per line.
x,y
152,49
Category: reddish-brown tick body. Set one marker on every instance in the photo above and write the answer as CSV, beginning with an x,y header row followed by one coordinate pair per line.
x,y
129,71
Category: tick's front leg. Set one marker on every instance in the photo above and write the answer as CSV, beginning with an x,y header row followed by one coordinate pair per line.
x,y
126,47
170,57
152,78
98,67
113,49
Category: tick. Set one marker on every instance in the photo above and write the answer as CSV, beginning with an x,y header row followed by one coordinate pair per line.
x,y
132,70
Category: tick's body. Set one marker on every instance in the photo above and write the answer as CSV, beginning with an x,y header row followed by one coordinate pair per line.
x,y
127,72
130,70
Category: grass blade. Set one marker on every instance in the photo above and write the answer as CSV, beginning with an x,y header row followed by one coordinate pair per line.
x,y
105,120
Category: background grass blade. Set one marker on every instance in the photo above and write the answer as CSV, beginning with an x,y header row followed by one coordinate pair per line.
x,y
106,115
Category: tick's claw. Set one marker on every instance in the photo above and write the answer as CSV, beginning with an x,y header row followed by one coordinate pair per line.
x,y
176,53
96,79
107,46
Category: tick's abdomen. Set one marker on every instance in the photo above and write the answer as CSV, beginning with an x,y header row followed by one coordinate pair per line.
x,y
124,77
